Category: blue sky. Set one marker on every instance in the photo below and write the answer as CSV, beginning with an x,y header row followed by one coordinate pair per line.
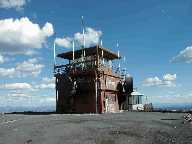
x,y
154,36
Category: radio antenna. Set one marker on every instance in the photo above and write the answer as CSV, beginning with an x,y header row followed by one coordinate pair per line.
x,y
83,27
73,50
54,54
118,53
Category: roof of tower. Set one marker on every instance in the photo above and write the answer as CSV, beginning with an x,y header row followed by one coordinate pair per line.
x,y
107,54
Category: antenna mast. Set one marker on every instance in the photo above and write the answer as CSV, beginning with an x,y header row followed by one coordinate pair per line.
x,y
54,55
73,50
83,51
101,43
119,66
54,51
83,26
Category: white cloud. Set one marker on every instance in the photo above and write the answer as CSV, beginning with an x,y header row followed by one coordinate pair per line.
x,y
168,84
48,80
48,29
50,99
152,81
46,83
64,42
19,89
21,36
183,56
91,38
29,67
17,4
167,81
45,86
169,77
1,59
16,86
10,72
18,94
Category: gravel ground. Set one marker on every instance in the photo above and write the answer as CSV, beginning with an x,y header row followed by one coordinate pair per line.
x,y
119,128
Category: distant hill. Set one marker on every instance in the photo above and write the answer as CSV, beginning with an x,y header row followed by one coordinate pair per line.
x,y
50,108
24,108
171,106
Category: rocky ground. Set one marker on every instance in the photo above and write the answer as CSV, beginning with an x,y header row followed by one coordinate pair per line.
x,y
120,128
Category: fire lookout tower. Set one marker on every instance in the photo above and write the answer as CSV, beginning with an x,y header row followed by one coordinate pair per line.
x,y
88,83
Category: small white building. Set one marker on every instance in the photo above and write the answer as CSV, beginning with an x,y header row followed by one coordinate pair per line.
x,y
134,101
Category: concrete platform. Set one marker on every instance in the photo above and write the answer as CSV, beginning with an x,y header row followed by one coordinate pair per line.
x,y
120,128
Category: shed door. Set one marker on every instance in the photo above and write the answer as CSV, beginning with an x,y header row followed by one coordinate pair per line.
x,y
109,104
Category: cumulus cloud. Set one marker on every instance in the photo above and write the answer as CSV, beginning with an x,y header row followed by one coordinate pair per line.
x,y
169,77
152,81
64,42
91,38
167,81
183,56
16,86
16,4
48,29
45,83
7,72
30,67
21,36
1,59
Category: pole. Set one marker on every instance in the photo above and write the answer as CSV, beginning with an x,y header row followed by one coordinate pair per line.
x,y
73,50
118,53
83,38
96,93
101,43
54,57
83,26
96,81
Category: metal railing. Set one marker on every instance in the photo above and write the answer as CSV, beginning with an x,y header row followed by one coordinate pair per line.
x,y
88,65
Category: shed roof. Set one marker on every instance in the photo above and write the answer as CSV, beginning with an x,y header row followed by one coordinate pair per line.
x,y
107,54
135,93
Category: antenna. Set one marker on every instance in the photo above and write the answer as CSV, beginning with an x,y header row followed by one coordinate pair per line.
x,y
82,59
54,51
83,26
73,50
118,49
101,44
102,53
110,63
83,53
124,69
54,55
118,53
102,57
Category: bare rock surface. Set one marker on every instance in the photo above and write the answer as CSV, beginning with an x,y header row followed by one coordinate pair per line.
x,y
119,128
